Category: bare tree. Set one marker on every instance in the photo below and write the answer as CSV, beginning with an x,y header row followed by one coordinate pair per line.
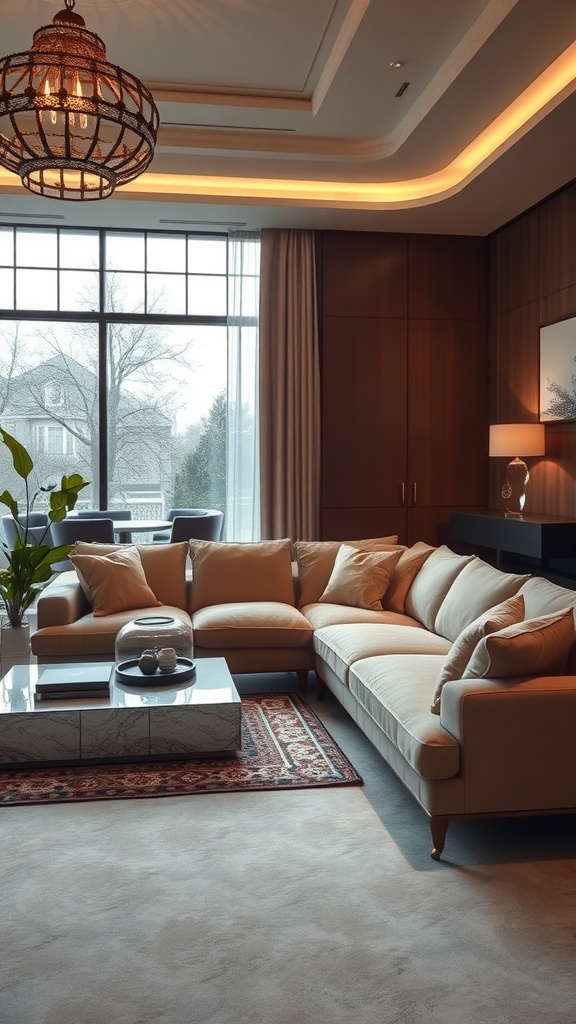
x,y
141,394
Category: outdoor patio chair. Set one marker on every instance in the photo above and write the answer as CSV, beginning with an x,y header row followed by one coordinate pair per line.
x,y
164,535
75,528
206,527
36,523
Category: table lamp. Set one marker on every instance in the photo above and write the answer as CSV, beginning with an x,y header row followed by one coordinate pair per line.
x,y
516,439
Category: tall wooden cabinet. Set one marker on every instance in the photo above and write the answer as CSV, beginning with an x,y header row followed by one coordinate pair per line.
x,y
404,383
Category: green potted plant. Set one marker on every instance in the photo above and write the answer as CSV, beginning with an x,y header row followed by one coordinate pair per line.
x,y
30,562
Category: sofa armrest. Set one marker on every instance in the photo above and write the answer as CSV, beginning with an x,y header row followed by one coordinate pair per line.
x,y
62,602
516,742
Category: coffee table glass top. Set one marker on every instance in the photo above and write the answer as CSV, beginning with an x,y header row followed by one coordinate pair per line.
x,y
212,684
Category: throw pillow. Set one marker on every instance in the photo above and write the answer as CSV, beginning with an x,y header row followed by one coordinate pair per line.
x,y
360,578
411,561
316,558
502,615
164,567
226,573
114,582
535,647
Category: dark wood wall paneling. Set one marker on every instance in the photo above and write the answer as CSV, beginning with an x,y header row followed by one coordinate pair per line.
x,y
533,283
404,383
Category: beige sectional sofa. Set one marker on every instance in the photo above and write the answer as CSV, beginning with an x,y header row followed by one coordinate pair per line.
x,y
460,675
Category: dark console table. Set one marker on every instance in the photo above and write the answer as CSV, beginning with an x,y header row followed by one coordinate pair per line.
x,y
547,542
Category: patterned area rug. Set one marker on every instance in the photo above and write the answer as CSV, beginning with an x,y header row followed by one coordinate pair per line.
x,y
284,746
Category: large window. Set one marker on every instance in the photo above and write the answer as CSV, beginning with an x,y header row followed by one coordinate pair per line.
x,y
119,359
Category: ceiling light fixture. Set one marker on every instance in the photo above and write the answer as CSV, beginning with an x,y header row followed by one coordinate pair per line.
x,y
78,126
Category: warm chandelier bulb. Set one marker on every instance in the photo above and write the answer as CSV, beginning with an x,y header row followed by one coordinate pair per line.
x,y
72,125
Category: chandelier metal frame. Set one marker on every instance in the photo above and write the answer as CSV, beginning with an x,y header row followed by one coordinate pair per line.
x,y
72,125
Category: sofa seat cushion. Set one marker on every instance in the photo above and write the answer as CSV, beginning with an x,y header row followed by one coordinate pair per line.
x,y
396,691
91,636
251,624
338,614
342,646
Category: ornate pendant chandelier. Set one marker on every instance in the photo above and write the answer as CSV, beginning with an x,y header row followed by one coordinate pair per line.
x,y
72,125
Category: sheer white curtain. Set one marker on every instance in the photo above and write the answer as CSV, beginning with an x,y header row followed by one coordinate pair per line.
x,y
242,514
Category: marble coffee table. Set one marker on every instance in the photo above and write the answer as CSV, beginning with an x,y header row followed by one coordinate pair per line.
x,y
201,717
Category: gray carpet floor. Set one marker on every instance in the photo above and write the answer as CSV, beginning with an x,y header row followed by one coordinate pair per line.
x,y
291,907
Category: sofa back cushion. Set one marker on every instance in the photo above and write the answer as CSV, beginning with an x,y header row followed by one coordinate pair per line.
x,y
476,589
432,583
541,597
315,560
534,647
164,567
229,573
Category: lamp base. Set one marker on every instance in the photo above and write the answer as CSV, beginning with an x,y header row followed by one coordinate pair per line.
x,y
514,490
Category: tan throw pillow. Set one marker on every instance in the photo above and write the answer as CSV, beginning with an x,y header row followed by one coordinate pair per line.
x,y
535,647
316,558
502,615
164,567
360,578
228,573
411,561
114,582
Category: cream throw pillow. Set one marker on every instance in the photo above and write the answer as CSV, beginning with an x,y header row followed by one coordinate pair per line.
x,y
360,578
535,647
316,559
502,615
114,582
407,569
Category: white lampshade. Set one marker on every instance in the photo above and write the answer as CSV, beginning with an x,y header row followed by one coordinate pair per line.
x,y
517,439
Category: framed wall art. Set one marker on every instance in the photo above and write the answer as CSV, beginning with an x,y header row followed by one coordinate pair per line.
x,y
558,371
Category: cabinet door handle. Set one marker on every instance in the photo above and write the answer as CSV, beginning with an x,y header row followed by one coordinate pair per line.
x,y
414,493
403,493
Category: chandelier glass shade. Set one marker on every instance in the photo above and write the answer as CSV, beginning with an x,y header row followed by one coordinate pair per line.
x,y
72,125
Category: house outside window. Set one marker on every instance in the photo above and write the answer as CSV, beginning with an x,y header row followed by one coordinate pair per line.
x,y
114,363
53,439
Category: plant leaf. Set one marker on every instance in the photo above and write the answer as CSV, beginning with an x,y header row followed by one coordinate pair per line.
x,y
20,458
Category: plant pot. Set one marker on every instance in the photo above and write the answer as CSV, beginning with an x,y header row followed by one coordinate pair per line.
x,y
14,645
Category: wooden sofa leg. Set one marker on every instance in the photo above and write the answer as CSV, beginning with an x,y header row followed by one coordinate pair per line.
x,y
303,679
438,828
320,687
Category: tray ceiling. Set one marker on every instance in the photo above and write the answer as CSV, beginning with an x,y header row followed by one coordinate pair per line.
x,y
292,113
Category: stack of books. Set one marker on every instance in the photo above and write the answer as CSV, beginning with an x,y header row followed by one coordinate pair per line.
x,y
73,682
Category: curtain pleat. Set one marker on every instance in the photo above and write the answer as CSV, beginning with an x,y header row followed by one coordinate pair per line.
x,y
289,386
242,514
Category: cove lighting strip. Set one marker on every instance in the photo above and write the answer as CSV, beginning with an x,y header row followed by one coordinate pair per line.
x,y
548,90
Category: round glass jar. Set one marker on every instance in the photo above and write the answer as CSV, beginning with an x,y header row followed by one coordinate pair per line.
x,y
149,631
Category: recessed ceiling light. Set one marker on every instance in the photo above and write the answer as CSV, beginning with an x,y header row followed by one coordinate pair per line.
x,y
396,63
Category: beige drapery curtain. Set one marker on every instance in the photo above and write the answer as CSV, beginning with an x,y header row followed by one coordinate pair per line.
x,y
289,386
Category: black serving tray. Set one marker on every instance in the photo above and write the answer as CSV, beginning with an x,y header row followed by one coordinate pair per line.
x,y
129,672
